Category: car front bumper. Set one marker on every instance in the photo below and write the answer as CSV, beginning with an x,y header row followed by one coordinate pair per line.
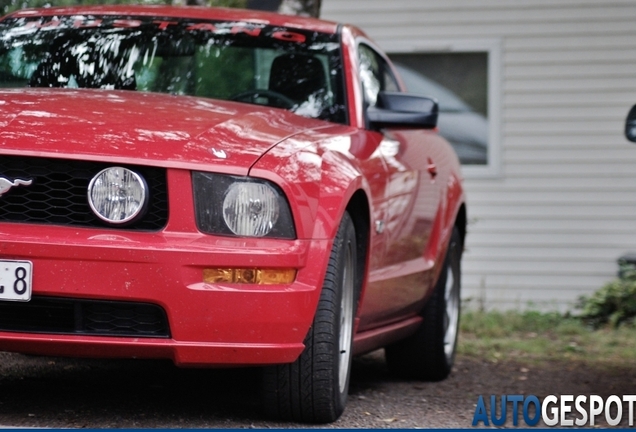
x,y
209,324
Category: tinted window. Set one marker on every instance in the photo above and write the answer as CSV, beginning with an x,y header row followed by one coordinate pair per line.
x,y
285,68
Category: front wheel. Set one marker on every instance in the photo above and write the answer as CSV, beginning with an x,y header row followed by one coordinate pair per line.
x,y
314,388
429,353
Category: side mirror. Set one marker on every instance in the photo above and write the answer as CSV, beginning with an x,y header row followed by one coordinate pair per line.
x,y
403,110
630,125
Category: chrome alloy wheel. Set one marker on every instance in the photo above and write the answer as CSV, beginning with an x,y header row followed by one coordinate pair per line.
x,y
451,314
346,318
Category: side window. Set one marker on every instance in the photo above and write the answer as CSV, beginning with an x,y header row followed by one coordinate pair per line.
x,y
375,75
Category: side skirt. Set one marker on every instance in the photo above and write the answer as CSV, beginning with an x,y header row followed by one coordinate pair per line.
x,y
370,340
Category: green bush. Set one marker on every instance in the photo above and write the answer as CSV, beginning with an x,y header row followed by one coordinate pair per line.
x,y
614,303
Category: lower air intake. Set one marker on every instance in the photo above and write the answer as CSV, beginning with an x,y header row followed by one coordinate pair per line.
x,y
86,317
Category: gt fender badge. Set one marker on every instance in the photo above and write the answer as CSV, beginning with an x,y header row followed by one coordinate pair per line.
x,y
6,184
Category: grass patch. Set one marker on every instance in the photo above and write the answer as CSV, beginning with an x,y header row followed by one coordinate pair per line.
x,y
544,337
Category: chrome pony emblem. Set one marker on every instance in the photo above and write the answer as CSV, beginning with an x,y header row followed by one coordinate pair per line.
x,y
6,184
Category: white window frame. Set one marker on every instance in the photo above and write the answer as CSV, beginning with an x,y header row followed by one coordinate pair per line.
x,y
493,48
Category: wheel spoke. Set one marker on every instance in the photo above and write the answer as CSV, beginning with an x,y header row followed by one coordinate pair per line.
x,y
346,318
451,313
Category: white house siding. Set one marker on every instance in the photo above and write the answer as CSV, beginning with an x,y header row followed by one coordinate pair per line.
x,y
548,223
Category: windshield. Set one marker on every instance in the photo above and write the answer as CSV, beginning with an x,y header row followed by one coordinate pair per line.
x,y
284,68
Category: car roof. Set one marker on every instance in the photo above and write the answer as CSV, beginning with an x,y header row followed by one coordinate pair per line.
x,y
192,12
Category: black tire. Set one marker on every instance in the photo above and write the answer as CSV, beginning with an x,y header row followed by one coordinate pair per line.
x,y
314,388
429,353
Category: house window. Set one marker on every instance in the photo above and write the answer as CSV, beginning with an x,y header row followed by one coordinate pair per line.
x,y
465,82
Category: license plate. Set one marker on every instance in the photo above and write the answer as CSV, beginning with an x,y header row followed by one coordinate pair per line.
x,y
15,280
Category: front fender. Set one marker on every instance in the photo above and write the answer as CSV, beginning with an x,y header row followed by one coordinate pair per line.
x,y
319,176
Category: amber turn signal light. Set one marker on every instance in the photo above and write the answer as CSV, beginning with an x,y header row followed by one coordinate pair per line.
x,y
249,276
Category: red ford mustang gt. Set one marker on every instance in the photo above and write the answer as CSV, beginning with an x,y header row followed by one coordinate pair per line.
x,y
223,187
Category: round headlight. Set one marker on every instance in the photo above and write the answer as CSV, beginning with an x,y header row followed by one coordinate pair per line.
x,y
250,209
117,195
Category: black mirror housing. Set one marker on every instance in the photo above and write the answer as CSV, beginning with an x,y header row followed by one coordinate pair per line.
x,y
630,125
395,109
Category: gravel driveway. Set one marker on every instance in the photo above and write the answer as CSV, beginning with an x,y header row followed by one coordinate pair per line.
x,y
40,392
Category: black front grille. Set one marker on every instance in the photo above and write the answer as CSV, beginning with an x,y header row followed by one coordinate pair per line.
x,y
88,317
57,194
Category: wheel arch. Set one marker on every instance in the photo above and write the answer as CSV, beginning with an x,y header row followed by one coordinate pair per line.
x,y
461,222
359,210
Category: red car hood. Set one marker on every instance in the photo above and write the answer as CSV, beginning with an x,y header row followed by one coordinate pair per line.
x,y
142,128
